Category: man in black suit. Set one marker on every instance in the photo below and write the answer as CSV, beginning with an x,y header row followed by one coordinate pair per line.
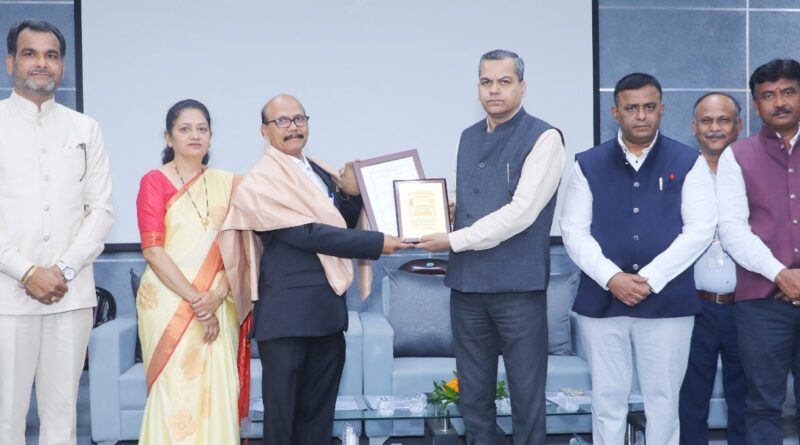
x,y
301,313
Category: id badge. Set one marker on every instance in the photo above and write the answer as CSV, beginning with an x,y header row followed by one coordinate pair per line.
x,y
715,255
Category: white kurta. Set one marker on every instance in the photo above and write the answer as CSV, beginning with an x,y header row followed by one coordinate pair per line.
x,y
55,200
55,205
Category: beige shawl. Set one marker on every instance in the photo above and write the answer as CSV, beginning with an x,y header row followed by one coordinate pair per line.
x,y
276,194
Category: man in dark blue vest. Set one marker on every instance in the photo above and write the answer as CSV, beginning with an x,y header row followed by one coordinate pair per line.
x,y
508,169
638,211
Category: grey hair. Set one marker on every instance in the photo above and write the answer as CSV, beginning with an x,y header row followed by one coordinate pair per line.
x,y
500,54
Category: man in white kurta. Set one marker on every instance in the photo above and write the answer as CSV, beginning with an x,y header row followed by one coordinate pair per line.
x,y
55,212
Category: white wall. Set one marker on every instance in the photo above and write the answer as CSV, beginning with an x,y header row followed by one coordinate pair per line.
x,y
375,76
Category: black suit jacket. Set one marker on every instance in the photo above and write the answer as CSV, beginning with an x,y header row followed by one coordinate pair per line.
x,y
294,297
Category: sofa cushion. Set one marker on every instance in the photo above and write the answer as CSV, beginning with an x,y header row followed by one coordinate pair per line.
x,y
419,312
133,388
560,296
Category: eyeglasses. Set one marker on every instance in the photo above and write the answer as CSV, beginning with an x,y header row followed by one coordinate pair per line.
x,y
285,122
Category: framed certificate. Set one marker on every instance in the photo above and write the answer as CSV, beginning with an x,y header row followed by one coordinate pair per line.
x,y
421,208
376,178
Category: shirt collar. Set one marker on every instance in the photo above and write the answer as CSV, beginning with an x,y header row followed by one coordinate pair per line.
x,y
492,130
770,134
30,109
301,162
793,140
625,149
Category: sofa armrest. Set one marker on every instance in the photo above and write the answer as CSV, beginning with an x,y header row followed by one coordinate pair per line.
x,y
378,353
111,353
577,344
353,375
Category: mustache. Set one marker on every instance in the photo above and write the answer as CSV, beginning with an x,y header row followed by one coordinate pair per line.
x,y
293,136
42,71
714,135
780,110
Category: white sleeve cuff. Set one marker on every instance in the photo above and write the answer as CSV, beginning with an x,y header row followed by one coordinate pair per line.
x,y
772,269
458,241
605,271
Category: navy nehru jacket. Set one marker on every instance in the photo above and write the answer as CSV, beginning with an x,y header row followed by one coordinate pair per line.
x,y
636,215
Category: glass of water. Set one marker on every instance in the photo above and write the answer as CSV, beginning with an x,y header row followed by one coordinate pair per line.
x,y
385,407
571,404
503,405
418,403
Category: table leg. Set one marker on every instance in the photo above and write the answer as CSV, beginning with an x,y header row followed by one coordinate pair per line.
x,y
634,432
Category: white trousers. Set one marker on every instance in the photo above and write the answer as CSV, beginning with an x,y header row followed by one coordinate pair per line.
x,y
49,350
660,348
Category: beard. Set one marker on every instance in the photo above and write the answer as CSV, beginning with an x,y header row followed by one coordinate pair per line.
x,y
33,87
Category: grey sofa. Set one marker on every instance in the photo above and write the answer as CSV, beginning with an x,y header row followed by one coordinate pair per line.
x,y
117,388
407,345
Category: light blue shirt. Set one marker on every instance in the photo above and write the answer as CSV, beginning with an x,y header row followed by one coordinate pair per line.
x,y
721,280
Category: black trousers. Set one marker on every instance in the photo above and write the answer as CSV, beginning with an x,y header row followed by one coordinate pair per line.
x,y
300,381
714,335
769,346
484,325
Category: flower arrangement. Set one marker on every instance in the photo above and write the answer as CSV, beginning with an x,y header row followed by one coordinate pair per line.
x,y
446,393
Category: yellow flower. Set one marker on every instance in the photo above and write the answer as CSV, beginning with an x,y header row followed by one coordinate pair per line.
x,y
453,384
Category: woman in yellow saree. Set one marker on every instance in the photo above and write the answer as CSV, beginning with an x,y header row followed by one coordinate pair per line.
x,y
187,322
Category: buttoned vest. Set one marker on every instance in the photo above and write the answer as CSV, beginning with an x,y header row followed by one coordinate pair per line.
x,y
636,215
488,171
772,181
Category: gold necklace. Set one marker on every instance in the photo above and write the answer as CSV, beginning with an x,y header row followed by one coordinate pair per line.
x,y
203,219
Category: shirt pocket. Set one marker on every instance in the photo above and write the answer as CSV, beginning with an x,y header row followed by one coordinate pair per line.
x,y
75,161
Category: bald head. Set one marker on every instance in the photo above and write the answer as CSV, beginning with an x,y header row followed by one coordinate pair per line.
x,y
716,123
291,139
267,112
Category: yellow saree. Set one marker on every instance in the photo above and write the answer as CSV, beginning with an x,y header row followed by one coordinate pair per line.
x,y
193,387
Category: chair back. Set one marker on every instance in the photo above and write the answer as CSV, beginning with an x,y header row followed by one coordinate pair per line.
x,y
417,305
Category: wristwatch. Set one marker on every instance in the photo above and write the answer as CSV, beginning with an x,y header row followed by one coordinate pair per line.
x,y
69,273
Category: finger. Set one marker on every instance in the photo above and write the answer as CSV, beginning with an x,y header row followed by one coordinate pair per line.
x,y
207,333
214,333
